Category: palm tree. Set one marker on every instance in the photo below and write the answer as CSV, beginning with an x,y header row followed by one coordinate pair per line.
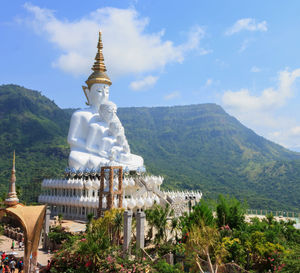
x,y
117,226
150,216
158,219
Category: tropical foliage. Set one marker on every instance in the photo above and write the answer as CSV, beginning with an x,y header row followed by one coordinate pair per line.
x,y
98,250
201,241
157,218
229,243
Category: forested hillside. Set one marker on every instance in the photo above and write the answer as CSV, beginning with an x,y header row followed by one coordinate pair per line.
x,y
202,147
36,128
193,147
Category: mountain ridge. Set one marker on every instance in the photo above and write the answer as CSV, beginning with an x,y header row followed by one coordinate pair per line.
x,y
197,146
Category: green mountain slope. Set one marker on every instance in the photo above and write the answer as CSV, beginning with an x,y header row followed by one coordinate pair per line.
x,y
36,128
202,147
194,147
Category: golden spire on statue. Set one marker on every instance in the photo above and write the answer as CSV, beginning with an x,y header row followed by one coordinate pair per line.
x,y
99,75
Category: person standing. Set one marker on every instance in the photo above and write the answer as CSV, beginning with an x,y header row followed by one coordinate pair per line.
x,y
3,256
48,268
6,269
6,261
12,265
20,266
13,245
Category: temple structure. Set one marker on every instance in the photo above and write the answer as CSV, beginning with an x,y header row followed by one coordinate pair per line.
x,y
12,198
29,218
97,140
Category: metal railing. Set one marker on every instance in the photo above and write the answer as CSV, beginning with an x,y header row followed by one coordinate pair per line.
x,y
263,212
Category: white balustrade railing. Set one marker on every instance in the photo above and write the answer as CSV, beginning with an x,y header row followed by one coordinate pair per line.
x,y
142,190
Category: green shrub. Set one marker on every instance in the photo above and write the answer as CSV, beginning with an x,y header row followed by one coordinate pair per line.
x,y
58,234
163,267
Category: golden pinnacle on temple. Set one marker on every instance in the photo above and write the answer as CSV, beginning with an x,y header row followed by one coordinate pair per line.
x,y
13,170
99,68
12,198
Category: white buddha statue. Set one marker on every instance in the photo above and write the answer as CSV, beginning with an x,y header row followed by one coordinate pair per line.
x,y
96,135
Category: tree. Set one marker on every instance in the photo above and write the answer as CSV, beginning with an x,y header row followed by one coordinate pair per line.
x,y
201,214
117,226
204,246
157,217
291,261
230,212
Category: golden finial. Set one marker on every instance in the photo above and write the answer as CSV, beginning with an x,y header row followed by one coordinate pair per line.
x,y
99,59
99,75
14,160
13,170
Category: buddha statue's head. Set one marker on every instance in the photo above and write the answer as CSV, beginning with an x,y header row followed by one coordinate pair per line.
x,y
97,94
107,111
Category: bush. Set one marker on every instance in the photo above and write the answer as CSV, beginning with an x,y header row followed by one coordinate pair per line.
x,y
58,234
230,212
290,261
163,267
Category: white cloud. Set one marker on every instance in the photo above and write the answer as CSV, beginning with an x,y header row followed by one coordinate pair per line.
x,y
295,131
288,136
263,112
246,24
269,97
145,83
128,48
255,69
173,95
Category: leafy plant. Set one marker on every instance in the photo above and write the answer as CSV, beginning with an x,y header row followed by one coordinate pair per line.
x,y
203,245
58,234
290,261
230,212
163,267
157,218
201,214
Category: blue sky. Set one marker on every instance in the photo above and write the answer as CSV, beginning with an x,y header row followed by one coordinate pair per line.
x,y
242,55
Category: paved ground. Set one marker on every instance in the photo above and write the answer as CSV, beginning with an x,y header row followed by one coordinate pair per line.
x,y
43,257
74,226
5,245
